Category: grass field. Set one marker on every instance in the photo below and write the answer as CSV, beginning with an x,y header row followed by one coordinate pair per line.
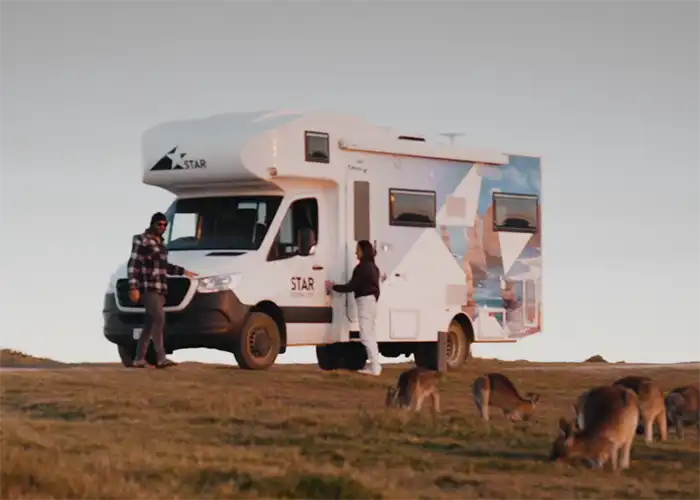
x,y
212,431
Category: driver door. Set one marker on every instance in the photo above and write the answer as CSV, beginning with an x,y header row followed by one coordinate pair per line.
x,y
307,309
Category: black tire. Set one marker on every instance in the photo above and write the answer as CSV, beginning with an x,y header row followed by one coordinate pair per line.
x,y
127,354
327,357
259,343
354,356
342,355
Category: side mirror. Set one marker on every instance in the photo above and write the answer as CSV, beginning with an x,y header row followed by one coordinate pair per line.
x,y
307,242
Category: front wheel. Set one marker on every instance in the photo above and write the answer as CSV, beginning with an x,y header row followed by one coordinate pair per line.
x,y
259,343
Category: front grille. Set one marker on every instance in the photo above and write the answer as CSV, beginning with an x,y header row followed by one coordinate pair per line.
x,y
177,289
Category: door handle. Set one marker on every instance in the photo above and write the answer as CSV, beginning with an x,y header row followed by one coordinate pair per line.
x,y
317,267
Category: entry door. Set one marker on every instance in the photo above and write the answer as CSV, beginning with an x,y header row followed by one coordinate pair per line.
x,y
521,305
358,228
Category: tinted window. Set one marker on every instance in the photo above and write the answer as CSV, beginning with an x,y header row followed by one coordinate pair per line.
x,y
411,208
302,214
515,212
317,147
361,216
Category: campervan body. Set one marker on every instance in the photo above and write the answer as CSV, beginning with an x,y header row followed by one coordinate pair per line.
x,y
269,205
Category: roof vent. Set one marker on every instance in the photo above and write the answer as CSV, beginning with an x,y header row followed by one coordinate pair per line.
x,y
411,138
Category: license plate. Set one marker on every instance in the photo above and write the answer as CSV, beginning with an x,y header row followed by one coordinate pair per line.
x,y
137,333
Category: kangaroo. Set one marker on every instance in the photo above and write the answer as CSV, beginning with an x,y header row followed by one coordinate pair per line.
x,y
683,406
611,416
413,386
495,389
651,405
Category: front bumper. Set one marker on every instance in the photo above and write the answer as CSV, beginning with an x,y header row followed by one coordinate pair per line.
x,y
211,320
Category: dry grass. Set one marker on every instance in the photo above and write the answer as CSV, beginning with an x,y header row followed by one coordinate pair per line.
x,y
209,431
10,357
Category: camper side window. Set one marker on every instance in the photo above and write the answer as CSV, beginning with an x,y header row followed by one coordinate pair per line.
x,y
317,147
515,213
412,208
302,214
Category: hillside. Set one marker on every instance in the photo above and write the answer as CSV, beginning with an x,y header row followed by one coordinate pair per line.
x,y
10,357
212,431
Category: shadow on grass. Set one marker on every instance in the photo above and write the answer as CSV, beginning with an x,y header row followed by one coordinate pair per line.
x,y
457,449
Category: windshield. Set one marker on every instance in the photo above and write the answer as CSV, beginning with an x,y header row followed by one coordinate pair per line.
x,y
220,223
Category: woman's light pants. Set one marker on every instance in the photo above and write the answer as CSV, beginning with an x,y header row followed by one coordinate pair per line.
x,y
367,315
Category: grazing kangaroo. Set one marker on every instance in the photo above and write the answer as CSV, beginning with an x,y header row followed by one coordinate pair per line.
x,y
413,386
651,405
611,416
683,407
495,389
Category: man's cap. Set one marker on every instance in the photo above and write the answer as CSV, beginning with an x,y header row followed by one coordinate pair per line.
x,y
157,217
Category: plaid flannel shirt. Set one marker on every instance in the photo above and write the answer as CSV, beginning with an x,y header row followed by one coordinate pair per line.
x,y
148,264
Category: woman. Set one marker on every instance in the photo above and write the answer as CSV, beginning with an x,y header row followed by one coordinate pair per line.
x,y
365,285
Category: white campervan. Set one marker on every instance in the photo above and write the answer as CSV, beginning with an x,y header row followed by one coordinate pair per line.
x,y
269,205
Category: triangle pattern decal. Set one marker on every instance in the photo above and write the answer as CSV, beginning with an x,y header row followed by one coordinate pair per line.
x,y
512,245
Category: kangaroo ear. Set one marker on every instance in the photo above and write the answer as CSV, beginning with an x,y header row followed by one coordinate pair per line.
x,y
574,408
534,397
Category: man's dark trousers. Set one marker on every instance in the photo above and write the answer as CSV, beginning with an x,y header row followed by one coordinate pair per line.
x,y
154,303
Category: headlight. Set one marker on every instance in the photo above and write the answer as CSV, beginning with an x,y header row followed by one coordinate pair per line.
x,y
219,283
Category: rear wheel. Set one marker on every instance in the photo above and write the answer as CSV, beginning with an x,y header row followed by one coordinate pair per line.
x,y
127,354
458,346
259,343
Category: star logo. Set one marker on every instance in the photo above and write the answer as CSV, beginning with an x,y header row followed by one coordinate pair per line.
x,y
171,161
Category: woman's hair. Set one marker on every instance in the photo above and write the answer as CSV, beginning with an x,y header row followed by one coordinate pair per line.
x,y
367,250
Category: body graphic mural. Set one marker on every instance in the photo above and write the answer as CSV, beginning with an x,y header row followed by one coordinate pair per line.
x,y
498,244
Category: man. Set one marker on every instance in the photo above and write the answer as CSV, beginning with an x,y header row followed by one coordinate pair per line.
x,y
147,269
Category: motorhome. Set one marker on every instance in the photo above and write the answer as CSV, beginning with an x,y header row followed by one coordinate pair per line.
x,y
269,205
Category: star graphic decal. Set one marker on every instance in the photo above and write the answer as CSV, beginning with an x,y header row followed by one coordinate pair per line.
x,y
175,158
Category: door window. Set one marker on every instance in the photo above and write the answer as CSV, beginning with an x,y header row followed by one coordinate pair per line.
x,y
302,214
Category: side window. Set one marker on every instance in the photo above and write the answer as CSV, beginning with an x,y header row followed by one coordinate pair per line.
x,y
317,147
361,217
302,214
515,213
412,208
